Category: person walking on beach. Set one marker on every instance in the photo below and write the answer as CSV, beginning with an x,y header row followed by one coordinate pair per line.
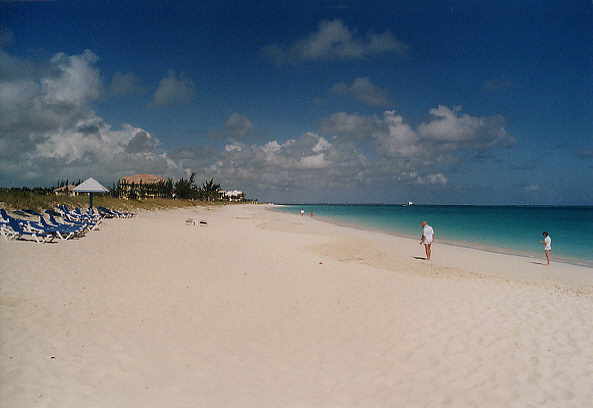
x,y
427,238
547,245
302,212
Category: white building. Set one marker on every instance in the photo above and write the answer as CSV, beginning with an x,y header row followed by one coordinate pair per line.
x,y
233,195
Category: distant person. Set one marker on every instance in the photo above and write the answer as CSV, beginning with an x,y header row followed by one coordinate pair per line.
x,y
311,214
547,245
427,238
302,212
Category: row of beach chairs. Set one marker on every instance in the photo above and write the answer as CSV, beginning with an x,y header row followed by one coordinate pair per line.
x,y
61,223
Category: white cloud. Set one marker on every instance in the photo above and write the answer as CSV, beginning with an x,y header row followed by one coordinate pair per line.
x,y
49,131
464,131
237,126
437,178
310,159
532,187
334,40
442,138
322,145
316,161
73,79
364,90
142,142
173,89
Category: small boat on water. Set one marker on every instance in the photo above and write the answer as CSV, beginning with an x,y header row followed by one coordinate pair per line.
x,y
409,204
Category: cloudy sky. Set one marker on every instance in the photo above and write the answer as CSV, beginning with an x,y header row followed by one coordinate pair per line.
x,y
447,102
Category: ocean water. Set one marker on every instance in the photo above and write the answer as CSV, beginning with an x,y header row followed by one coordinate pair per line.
x,y
506,229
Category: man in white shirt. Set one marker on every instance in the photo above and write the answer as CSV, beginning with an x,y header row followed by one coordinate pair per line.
x,y
427,238
547,245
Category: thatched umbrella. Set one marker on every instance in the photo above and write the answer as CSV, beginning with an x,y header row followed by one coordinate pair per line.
x,y
90,186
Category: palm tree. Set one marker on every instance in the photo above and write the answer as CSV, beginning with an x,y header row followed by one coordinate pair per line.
x,y
185,188
210,189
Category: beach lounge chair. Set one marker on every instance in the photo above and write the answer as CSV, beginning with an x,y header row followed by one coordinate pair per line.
x,y
78,226
18,232
6,232
63,231
124,214
116,213
70,217
62,228
85,215
40,228
5,229
106,213
203,223
3,215
32,212
43,228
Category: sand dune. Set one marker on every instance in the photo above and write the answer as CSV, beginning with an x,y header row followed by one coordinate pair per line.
x,y
264,309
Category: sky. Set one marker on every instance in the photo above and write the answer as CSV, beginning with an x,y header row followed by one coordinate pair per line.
x,y
436,102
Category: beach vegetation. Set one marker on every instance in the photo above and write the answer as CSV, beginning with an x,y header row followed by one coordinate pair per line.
x,y
122,197
210,190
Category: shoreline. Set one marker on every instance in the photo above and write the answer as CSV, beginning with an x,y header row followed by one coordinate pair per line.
x,y
587,263
263,308
462,260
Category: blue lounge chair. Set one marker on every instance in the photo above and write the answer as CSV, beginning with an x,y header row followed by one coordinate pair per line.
x,y
17,231
73,218
78,229
116,213
63,231
106,213
84,215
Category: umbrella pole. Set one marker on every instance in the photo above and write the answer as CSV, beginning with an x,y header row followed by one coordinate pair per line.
x,y
91,203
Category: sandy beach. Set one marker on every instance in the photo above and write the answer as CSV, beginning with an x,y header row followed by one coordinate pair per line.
x,y
266,309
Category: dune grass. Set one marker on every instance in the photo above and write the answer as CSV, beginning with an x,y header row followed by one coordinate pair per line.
x,y
14,200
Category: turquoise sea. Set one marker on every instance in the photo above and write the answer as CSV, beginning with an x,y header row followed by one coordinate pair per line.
x,y
507,229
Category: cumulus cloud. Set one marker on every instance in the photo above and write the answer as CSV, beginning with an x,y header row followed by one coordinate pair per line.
x,y
448,134
237,126
48,129
437,178
309,160
451,129
73,80
142,142
348,151
364,90
174,89
334,40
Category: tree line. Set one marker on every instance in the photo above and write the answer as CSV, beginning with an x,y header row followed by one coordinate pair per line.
x,y
184,188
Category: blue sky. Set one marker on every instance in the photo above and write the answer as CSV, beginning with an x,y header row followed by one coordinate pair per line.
x,y
447,102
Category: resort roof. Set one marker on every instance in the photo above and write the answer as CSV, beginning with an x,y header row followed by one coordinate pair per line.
x,y
142,179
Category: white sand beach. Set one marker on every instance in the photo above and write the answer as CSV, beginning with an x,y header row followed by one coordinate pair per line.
x,y
266,309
